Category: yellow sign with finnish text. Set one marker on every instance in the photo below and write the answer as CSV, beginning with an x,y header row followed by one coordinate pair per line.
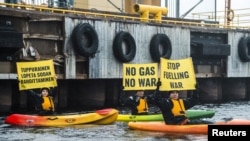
x,y
177,74
36,74
140,76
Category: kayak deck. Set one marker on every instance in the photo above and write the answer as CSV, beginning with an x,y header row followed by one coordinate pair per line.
x,y
191,114
183,129
104,116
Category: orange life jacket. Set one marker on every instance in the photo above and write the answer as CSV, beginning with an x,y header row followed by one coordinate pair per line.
x,y
143,105
48,104
178,107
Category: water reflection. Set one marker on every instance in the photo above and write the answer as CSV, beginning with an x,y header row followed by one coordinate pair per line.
x,y
117,131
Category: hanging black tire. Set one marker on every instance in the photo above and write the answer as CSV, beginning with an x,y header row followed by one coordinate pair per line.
x,y
244,49
85,39
160,46
124,47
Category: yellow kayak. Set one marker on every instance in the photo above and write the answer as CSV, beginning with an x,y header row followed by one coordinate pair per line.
x,y
103,116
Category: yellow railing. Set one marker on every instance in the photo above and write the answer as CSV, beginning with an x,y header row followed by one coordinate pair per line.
x,y
131,18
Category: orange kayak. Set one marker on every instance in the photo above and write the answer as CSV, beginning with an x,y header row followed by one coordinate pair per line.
x,y
187,129
103,116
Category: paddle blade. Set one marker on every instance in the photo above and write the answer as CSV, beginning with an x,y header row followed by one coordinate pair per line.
x,y
104,111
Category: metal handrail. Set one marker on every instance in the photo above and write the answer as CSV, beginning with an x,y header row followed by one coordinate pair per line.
x,y
239,19
93,14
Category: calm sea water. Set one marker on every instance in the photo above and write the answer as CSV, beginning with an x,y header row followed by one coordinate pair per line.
x,y
118,131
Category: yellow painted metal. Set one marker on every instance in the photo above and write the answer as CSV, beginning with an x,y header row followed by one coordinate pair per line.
x,y
145,10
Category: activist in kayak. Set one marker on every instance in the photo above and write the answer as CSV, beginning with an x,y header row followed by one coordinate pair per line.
x,y
174,108
42,100
137,103
43,103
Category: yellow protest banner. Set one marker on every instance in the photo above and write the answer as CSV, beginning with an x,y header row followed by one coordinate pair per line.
x,y
177,74
140,76
36,74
